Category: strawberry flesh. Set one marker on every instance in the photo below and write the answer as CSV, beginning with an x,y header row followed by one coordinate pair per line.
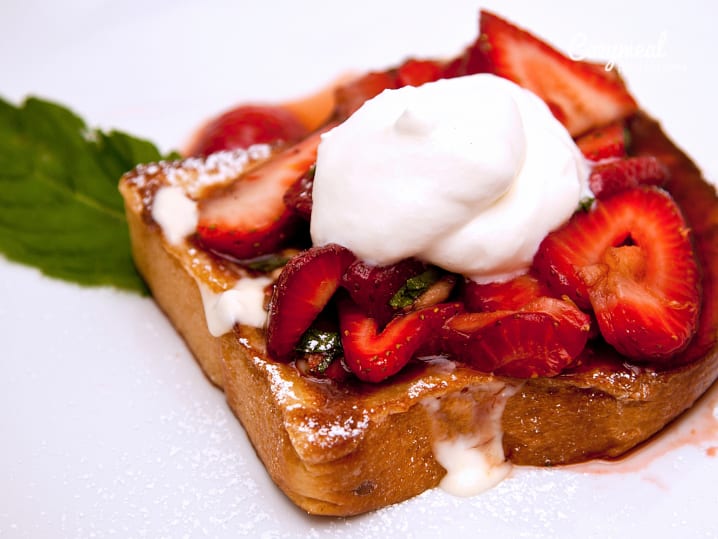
x,y
372,287
249,218
580,96
540,339
630,259
302,291
610,178
374,356
417,72
607,142
507,295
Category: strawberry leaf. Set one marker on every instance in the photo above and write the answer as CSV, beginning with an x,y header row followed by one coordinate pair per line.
x,y
60,209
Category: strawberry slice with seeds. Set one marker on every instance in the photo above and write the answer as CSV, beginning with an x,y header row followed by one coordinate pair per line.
x,y
630,259
540,339
607,142
507,295
374,356
579,95
249,218
610,178
303,289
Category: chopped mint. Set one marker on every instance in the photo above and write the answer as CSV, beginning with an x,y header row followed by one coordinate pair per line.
x,y
414,287
326,343
586,203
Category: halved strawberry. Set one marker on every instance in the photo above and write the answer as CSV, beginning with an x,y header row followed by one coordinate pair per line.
x,y
303,289
246,125
579,95
610,178
248,218
607,142
374,356
630,259
507,295
372,287
539,339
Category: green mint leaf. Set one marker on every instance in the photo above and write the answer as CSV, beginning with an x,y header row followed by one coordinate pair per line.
x,y
586,203
414,287
60,209
318,341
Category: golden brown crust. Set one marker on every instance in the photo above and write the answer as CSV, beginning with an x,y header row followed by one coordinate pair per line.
x,y
344,450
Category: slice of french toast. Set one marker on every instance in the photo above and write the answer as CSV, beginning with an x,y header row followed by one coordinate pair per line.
x,y
347,448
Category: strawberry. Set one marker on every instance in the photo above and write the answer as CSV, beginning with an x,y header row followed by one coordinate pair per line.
x,y
372,287
247,125
539,339
417,72
349,97
248,218
630,259
607,142
610,178
374,356
303,289
507,295
580,96
298,197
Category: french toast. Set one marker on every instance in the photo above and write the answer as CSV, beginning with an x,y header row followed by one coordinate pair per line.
x,y
347,449
344,448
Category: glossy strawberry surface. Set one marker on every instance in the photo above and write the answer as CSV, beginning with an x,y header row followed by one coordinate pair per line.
x,y
247,125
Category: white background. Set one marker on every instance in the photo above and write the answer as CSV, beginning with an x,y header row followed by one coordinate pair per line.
x,y
108,426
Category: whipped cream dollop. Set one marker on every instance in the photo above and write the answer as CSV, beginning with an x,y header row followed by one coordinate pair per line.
x,y
469,174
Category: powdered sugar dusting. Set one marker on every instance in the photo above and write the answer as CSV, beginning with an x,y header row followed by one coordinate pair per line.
x,y
326,434
195,174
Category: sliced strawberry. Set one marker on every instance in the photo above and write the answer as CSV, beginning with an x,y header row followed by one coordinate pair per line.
x,y
540,339
247,125
372,287
579,95
607,142
301,292
298,197
349,97
374,356
630,258
417,72
610,178
249,217
508,295
473,60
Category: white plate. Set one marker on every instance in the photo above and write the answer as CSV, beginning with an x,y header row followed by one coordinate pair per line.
x,y
109,427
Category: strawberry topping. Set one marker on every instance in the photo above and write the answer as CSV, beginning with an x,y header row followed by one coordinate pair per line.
x,y
607,142
247,125
249,217
374,356
301,292
507,295
630,259
580,96
610,178
372,287
540,339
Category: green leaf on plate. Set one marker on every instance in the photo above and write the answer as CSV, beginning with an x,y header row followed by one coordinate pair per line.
x,y
60,209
